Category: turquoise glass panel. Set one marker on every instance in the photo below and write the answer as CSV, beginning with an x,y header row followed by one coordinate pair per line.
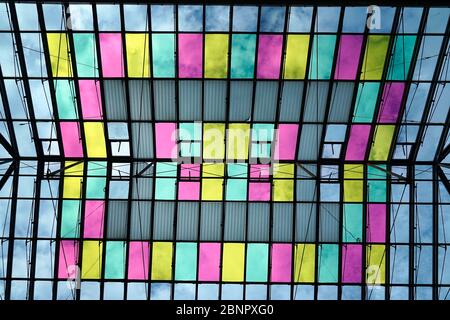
x,y
95,188
366,100
376,187
115,260
96,168
257,259
236,190
190,131
186,261
166,169
352,225
262,132
190,149
401,58
165,189
65,101
237,170
328,262
70,218
86,55
243,48
322,53
163,46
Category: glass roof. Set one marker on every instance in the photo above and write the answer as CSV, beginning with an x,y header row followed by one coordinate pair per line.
x,y
174,151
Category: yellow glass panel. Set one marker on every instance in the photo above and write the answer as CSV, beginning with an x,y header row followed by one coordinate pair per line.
x,y
72,187
58,48
382,142
213,141
162,261
212,189
76,169
238,139
216,55
283,170
353,190
376,264
233,262
95,139
213,170
296,56
353,171
283,190
138,61
92,260
304,262
374,57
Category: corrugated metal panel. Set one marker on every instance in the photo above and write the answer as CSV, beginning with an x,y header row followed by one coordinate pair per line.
x,y
117,219
241,93
142,140
164,96
266,101
141,213
211,218
163,220
190,100
235,213
341,101
306,190
139,166
187,221
291,101
316,100
258,222
282,222
308,148
215,100
142,188
305,222
329,222
115,99
302,173
140,99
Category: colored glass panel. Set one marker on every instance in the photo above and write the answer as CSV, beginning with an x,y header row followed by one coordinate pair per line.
x,y
243,48
296,56
216,55
59,51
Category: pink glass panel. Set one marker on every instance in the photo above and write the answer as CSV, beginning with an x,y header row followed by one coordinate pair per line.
x,y
91,100
111,53
209,263
351,263
259,191
281,262
392,100
71,139
190,170
68,258
188,190
376,222
286,141
93,218
190,57
269,56
357,143
138,255
259,171
348,57
166,146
